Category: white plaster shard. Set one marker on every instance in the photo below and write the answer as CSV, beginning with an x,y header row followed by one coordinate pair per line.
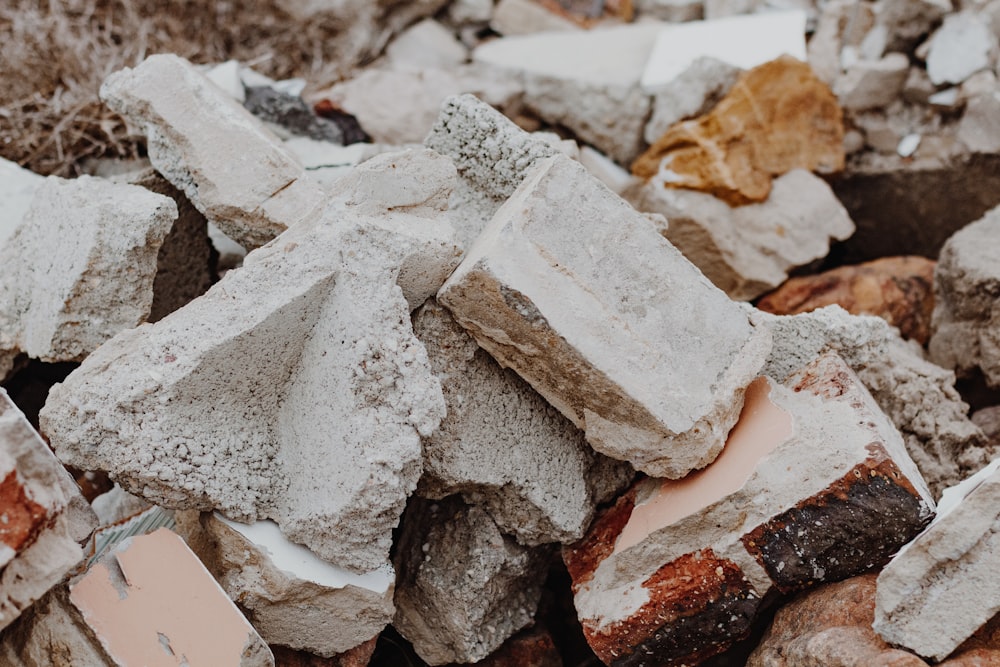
x,y
749,250
654,376
294,389
504,448
232,168
79,268
942,587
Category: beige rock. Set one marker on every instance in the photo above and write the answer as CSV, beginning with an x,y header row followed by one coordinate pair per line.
x,y
646,382
427,44
17,189
776,118
979,128
872,84
523,17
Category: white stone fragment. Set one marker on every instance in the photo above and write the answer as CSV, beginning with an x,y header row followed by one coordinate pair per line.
x,y
17,189
741,41
870,84
300,371
80,267
227,77
426,45
908,145
749,250
523,17
963,45
942,587
470,11
979,128
556,271
233,169
691,93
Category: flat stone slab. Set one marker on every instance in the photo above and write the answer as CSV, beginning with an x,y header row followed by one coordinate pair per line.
x,y
299,371
550,290
814,485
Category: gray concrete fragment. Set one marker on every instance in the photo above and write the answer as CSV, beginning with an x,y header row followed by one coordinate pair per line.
x,y
196,135
979,128
504,448
872,84
300,371
80,267
549,289
17,189
692,93
942,587
464,587
749,250
908,21
44,516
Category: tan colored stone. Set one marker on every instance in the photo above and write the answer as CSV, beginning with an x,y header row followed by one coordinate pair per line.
x,y
900,290
776,118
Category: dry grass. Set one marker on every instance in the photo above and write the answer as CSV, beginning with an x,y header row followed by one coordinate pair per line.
x,y
55,54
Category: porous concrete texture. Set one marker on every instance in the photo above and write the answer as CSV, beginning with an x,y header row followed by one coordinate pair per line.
x,y
585,81
816,486
749,250
79,268
44,516
942,587
463,586
17,189
232,168
292,597
691,93
965,330
549,290
917,395
299,370
504,448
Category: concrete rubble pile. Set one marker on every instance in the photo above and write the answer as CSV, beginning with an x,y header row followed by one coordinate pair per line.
x,y
560,328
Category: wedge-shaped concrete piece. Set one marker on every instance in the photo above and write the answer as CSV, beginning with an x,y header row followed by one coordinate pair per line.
x,y
232,168
43,517
79,268
292,597
578,293
814,485
504,448
942,587
464,588
294,389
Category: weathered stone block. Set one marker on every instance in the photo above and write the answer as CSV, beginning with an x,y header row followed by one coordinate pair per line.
x,y
549,290
814,485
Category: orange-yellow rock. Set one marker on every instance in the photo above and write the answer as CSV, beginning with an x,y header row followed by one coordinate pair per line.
x,y
777,117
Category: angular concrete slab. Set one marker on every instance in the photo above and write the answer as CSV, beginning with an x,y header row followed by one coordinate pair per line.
x,y
44,517
229,165
654,376
504,448
79,268
814,485
299,371
463,587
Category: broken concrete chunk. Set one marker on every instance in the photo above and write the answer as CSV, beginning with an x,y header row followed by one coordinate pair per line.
x,y
504,448
293,598
814,485
747,250
962,46
871,84
80,267
965,333
777,117
44,517
908,21
693,92
464,587
136,602
196,134
427,44
17,189
979,128
549,290
300,370
942,587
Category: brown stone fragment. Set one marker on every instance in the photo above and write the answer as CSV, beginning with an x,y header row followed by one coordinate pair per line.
x,y
530,648
22,518
359,656
900,290
778,117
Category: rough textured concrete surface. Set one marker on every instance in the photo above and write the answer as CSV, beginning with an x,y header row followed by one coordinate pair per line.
x,y
17,189
748,250
504,448
230,166
44,516
777,117
966,325
463,586
300,371
292,597
79,268
919,397
814,485
653,376
942,587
